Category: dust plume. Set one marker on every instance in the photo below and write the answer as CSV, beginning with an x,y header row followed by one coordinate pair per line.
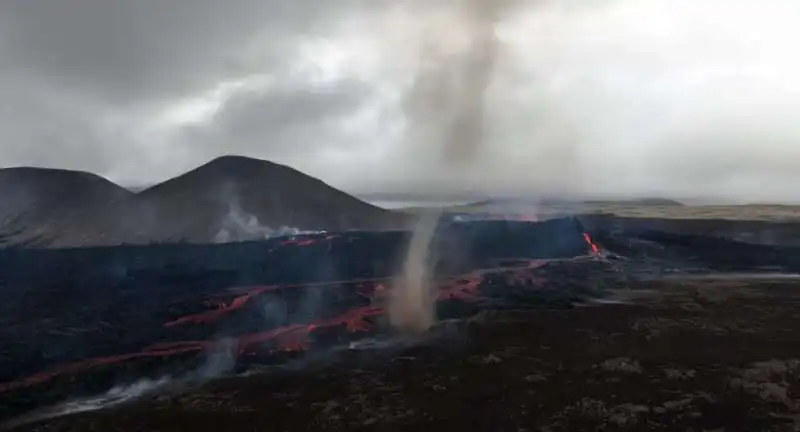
x,y
445,105
411,301
445,108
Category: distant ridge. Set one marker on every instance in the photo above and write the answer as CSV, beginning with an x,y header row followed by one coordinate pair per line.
x,y
38,205
239,196
654,202
276,195
26,189
499,202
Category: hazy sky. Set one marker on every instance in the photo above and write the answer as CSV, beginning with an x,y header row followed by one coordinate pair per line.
x,y
676,97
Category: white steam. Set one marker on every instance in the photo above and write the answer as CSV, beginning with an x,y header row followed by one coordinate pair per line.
x,y
238,225
117,395
681,98
220,359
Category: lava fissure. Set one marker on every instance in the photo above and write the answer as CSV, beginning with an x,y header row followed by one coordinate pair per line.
x,y
198,296
369,288
293,337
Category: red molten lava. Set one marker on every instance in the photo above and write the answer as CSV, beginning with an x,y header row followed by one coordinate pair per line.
x,y
286,339
295,337
221,308
592,245
168,350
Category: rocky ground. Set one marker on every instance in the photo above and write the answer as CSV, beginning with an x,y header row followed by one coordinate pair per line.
x,y
707,354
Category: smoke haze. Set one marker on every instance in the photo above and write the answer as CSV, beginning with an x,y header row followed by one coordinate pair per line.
x,y
681,98
446,110
613,98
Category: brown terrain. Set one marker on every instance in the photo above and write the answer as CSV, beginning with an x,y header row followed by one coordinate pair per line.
x,y
696,355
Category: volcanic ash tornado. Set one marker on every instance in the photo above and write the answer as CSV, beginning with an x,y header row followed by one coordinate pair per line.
x,y
445,109
411,307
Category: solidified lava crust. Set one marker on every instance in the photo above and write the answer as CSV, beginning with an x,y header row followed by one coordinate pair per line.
x,y
512,297
87,333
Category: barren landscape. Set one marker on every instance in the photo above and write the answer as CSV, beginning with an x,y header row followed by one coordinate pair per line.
x,y
639,329
466,215
549,315
649,209
672,355
753,212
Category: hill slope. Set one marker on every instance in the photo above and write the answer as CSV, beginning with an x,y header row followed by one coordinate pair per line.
x,y
246,197
230,198
42,203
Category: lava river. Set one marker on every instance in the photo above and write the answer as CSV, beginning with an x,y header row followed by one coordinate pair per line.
x,y
77,338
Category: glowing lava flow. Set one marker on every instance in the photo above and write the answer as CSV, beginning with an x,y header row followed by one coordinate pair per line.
x,y
461,288
288,338
592,245
222,309
84,365
296,337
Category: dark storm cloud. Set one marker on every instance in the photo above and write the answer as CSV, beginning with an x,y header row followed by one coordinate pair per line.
x,y
616,97
81,80
127,50
40,128
289,120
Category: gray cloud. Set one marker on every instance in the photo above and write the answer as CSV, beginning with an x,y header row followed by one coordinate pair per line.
x,y
41,128
292,122
124,51
82,80
619,97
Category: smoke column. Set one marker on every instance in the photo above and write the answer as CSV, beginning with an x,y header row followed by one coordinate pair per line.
x,y
411,305
445,107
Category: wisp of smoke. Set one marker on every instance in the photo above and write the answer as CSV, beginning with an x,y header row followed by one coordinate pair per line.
x,y
238,225
117,395
445,106
221,359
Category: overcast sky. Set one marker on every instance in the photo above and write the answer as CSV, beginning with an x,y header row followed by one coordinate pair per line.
x,y
648,97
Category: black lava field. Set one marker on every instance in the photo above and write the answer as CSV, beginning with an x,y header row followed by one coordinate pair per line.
x,y
77,322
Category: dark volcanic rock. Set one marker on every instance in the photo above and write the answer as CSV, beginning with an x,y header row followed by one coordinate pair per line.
x,y
241,191
42,204
43,189
709,356
80,321
747,231
229,198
